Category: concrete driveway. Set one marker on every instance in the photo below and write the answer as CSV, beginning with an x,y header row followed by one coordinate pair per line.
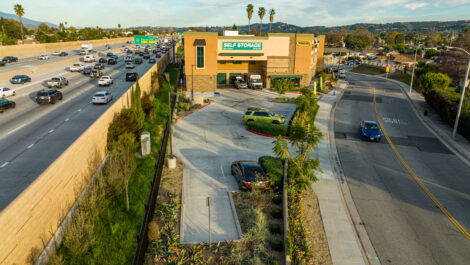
x,y
207,142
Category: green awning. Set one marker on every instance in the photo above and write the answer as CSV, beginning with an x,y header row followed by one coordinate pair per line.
x,y
240,54
285,76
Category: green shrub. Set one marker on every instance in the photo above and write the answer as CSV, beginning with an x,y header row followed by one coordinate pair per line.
x,y
277,199
121,123
276,213
431,81
267,128
147,103
275,228
273,168
276,245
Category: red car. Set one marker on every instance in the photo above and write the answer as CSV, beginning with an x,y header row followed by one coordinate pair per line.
x,y
158,55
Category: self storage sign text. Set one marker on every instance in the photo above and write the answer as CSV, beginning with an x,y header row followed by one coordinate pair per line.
x,y
229,45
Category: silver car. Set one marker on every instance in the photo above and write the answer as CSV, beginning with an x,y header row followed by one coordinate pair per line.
x,y
102,97
130,65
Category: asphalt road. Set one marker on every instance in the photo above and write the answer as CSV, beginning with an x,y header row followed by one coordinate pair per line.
x,y
403,223
32,136
23,63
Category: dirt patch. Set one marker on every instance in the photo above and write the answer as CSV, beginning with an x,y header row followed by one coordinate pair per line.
x,y
316,232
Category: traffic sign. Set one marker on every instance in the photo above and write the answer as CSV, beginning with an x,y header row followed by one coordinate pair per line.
x,y
144,40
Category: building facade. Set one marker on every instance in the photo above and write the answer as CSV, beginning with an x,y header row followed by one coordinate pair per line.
x,y
213,61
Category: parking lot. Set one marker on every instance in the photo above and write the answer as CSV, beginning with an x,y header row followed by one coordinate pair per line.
x,y
207,142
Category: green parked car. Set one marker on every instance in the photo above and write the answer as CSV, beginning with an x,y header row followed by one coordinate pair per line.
x,y
262,115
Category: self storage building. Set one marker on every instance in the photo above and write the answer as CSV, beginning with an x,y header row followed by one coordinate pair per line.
x,y
213,61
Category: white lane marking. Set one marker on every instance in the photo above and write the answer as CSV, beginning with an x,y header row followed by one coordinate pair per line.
x,y
51,131
223,174
4,164
79,110
17,128
67,119
29,146
391,120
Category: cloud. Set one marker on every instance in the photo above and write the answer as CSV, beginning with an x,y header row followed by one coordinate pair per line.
x,y
414,6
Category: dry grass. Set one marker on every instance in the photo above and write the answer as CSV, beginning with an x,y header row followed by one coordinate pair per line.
x,y
316,232
368,70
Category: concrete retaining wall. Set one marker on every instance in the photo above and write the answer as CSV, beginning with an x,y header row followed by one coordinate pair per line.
x,y
29,222
29,50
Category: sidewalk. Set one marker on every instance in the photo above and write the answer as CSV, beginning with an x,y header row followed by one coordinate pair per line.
x,y
338,210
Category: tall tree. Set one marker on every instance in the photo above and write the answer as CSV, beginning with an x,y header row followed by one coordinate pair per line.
x,y
19,11
271,17
2,25
249,11
119,26
261,13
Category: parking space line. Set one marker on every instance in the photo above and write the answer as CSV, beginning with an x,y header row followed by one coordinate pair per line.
x,y
17,128
51,131
29,146
415,177
223,174
4,164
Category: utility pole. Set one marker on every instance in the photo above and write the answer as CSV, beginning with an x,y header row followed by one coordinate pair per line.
x,y
414,66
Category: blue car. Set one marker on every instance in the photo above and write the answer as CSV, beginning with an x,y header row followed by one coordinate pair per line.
x,y
370,130
20,79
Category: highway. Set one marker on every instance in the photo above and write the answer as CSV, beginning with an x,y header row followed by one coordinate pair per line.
x,y
23,63
403,223
32,136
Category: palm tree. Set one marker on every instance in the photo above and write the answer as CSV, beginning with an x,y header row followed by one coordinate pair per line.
x,y
271,17
249,10
119,26
261,13
20,12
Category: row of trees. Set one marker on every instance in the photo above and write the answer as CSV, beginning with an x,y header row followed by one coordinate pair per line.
x,y
261,14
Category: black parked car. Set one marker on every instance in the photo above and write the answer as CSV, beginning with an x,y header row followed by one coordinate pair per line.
x,y
87,70
63,54
102,60
112,61
138,60
48,96
9,59
20,79
132,76
109,54
6,104
249,174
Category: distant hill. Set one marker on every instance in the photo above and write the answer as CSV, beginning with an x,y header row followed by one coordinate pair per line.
x,y
417,27
28,23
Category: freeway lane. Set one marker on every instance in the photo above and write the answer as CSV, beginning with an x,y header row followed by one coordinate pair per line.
x,y
28,151
403,223
34,61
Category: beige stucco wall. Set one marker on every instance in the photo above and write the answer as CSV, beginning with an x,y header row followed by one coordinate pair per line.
x,y
32,49
29,221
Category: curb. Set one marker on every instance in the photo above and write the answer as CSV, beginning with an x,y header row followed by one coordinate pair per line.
x,y
265,135
428,124
287,92
235,216
191,112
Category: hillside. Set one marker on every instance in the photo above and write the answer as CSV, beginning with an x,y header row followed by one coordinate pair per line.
x,y
28,23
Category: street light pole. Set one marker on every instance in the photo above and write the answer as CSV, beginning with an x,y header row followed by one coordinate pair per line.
x,y
388,65
414,66
192,83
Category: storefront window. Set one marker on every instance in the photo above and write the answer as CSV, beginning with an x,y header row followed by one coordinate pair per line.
x,y
200,57
237,62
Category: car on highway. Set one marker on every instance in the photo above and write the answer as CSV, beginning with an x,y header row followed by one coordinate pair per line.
x,y
89,59
158,55
56,53
10,59
83,52
63,54
112,61
20,79
130,51
370,130
137,51
255,114
146,56
6,92
6,104
130,65
138,60
105,81
87,70
99,66
129,59
109,54
43,57
95,73
2,63
249,175
103,60
48,96
102,97
132,76
152,60
76,67
57,82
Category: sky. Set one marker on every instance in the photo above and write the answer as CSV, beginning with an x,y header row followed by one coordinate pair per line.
x,y
185,13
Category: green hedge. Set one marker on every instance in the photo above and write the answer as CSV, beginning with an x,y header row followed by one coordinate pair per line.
x,y
267,128
274,169
446,103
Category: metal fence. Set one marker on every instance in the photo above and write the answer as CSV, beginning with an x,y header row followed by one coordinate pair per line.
x,y
142,239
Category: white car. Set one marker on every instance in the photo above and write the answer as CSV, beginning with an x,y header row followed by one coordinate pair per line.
x,y
77,67
43,57
56,53
83,52
105,81
102,97
89,58
130,65
6,92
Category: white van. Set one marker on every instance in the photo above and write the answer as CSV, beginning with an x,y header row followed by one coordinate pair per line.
x,y
89,59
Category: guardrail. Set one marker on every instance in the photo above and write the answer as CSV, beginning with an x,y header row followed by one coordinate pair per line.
x,y
142,239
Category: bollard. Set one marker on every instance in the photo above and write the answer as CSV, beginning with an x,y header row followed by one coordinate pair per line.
x,y
145,143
